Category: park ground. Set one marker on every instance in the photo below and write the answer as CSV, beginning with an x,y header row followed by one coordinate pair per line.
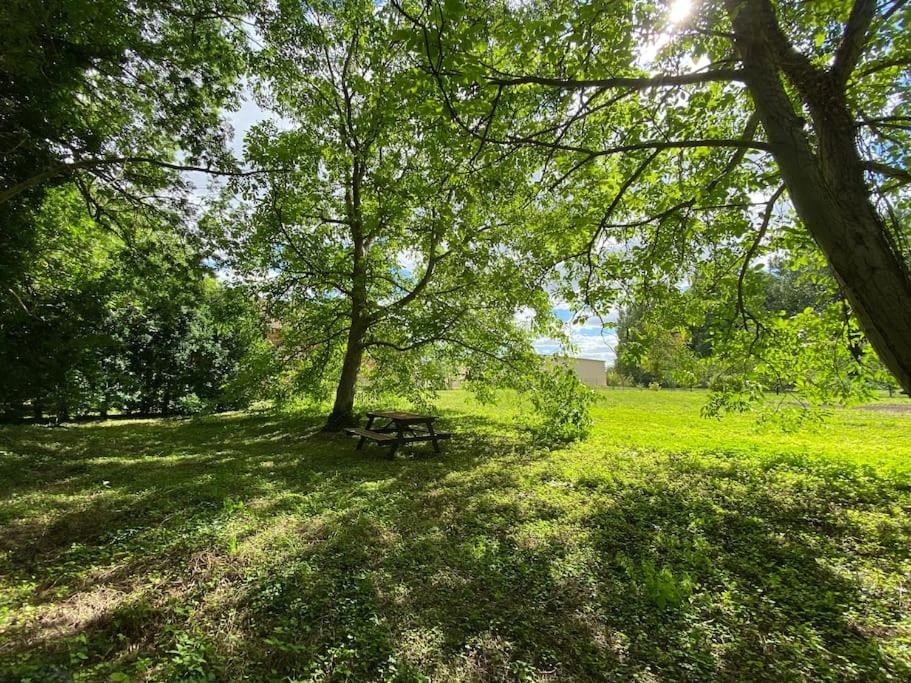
x,y
667,546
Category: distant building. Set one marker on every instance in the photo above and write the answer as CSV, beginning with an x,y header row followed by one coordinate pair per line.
x,y
589,370
273,333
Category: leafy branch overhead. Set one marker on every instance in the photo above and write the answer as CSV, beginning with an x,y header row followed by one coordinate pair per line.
x,y
631,116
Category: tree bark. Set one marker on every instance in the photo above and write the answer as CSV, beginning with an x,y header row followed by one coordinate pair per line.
x,y
827,186
166,399
343,411
62,408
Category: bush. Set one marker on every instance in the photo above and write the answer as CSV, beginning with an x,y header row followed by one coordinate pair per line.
x,y
562,403
614,378
191,404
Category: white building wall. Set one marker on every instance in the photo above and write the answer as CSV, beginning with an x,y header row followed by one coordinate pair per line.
x,y
589,371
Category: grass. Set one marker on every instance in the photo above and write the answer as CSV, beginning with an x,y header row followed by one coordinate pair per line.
x,y
665,547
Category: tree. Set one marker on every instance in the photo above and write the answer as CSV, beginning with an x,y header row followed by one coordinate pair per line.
x,y
106,91
100,324
49,336
744,103
687,336
179,348
649,353
112,98
383,235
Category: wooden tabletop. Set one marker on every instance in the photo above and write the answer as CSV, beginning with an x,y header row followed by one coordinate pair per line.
x,y
400,416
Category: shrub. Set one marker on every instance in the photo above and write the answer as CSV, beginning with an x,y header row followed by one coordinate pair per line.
x,y
562,403
191,404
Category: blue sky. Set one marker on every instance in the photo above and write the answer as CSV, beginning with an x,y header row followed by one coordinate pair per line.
x,y
590,339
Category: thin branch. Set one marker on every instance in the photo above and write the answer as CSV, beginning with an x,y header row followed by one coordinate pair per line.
x,y
751,252
631,82
736,143
897,5
21,303
890,171
874,67
643,166
88,164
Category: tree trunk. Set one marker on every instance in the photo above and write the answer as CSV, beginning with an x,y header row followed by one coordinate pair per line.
x,y
62,408
827,187
343,411
14,412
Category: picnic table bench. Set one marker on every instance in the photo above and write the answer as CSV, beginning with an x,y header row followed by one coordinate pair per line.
x,y
399,428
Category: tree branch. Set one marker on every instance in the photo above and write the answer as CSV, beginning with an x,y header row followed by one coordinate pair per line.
x,y
798,67
889,171
751,252
88,164
876,66
853,40
633,83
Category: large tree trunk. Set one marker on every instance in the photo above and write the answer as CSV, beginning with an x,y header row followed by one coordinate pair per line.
x,y
827,187
343,411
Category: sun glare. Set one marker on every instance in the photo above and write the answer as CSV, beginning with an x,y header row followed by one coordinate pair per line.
x,y
680,10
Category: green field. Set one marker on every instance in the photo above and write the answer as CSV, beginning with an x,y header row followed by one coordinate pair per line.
x,y
665,547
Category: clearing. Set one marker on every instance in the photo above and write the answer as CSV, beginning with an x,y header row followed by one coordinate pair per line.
x,y
665,547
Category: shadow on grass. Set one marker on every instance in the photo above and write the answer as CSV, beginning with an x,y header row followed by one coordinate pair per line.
x,y
256,546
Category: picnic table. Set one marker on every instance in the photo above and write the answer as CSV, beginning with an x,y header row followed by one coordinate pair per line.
x,y
398,428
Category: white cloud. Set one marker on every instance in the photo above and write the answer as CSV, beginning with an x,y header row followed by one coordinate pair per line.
x,y
248,115
587,341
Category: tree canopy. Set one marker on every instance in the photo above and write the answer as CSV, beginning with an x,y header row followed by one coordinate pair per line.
x,y
100,324
436,174
384,235
682,139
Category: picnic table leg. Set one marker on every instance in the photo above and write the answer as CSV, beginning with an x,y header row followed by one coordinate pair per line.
x,y
400,442
435,441
360,442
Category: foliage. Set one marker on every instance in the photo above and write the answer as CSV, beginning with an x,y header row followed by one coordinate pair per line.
x,y
793,337
252,547
648,353
562,403
383,244
88,333
108,98
664,154
659,586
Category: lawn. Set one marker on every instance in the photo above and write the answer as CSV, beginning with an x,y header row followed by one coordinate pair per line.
x,y
665,547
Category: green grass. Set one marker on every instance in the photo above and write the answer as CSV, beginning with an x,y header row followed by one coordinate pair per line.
x,y
666,547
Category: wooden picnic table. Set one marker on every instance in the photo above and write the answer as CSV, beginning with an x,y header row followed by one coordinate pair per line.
x,y
399,428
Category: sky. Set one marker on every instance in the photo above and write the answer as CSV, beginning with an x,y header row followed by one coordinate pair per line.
x,y
591,339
